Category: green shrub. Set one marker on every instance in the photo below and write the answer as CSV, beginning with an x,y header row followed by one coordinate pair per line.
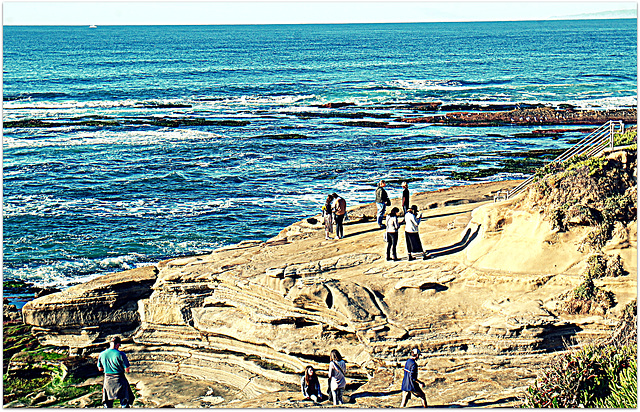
x,y
596,238
582,215
614,267
588,298
586,290
596,266
595,165
618,207
625,139
557,218
591,377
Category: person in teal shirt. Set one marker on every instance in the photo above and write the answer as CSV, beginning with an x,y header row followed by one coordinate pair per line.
x,y
114,364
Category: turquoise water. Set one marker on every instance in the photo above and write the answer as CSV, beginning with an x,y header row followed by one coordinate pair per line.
x,y
81,200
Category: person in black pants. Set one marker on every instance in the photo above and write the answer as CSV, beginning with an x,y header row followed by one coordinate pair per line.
x,y
340,209
392,233
405,197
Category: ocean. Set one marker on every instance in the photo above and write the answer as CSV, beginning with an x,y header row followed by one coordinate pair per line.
x,y
165,141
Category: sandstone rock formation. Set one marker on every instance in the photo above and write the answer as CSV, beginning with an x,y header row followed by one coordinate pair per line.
x,y
247,318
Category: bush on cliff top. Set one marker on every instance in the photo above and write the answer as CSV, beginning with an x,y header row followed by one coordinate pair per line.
x,y
596,192
603,375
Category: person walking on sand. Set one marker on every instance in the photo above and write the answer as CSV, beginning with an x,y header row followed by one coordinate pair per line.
x,y
410,382
340,209
392,233
114,364
382,201
327,217
337,380
311,386
412,220
405,197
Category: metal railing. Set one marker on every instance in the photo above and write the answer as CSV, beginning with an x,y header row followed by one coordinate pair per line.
x,y
594,143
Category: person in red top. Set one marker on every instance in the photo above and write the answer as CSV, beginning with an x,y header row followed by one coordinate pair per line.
x,y
340,210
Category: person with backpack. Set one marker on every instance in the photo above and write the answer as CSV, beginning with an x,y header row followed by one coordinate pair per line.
x,y
327,218
337,380
382,201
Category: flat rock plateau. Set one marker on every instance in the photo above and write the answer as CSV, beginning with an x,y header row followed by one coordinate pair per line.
x,y
236,328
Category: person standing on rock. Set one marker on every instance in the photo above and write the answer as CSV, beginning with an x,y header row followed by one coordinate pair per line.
x,y
340,209
410,382
392,233
405,197
382,201
414,245
114,364
310,385
337,380
327,217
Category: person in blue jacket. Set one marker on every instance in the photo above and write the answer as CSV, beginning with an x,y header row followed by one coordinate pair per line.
x,y
410,382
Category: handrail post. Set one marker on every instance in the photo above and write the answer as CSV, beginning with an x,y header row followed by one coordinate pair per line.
x,y
611,132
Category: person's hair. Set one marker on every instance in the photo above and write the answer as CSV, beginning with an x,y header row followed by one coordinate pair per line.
x,y
394,211
310,380
404,184
335,355
335,196
327,203
414,208
381,183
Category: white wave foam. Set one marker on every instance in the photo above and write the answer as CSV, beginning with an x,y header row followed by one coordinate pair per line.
x,y
428,85
71,137
46,206
606,102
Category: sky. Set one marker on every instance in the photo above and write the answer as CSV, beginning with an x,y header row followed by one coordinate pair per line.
x,y
300,12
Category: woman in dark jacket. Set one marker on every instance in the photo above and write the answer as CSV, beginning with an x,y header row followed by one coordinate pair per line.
x,y
310,385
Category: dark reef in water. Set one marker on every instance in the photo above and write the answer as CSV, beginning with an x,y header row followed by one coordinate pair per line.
x,y
539,116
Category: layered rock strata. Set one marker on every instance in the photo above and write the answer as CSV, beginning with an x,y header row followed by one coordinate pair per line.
x,y
251,316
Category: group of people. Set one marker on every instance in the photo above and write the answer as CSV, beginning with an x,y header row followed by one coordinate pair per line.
x,y
310,384
392,225
334,211
114,363
337,381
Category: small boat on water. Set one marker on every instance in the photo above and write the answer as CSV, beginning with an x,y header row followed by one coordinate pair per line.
x,y
93,26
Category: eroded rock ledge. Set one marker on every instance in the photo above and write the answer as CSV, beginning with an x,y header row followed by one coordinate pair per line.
x,y
251,316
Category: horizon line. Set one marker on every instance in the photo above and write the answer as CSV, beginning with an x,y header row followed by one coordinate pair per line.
x,y
321,23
